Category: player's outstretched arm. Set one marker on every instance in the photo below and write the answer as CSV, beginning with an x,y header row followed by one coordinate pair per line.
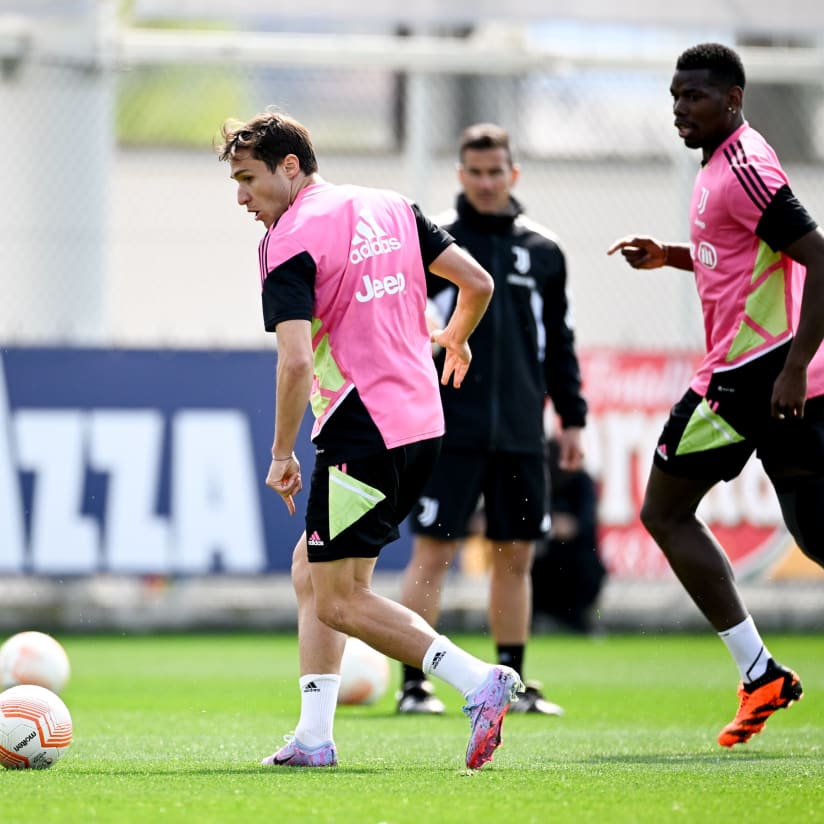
x,y
643,252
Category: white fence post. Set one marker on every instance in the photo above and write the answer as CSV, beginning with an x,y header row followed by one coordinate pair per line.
x,y
56,174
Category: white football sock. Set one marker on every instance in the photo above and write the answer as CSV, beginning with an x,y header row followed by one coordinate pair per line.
x,y
457,667
747,648
318,701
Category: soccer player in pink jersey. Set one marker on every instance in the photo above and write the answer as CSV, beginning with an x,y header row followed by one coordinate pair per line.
x,y
343,287
758,260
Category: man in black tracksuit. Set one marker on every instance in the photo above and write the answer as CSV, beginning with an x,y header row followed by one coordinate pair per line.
x,y
494,447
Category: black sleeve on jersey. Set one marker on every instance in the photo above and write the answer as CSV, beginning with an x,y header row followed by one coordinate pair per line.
x,y
432,238
289,291
562,371
784,220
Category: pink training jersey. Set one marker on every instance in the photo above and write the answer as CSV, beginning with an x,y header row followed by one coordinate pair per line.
x,y
368,327
750,294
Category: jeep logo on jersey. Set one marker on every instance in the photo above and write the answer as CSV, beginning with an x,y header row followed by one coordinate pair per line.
x,y
377,288
370,240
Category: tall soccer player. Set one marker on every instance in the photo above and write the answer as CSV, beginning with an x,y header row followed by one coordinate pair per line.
x,y
758,261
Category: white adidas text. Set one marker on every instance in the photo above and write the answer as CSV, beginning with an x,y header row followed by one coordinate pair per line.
x,y
374,247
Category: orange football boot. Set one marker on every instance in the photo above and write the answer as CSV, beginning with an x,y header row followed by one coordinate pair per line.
x,y
776,689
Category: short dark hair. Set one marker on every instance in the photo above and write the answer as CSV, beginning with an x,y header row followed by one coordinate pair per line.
x,y
724,64
485,136
269,137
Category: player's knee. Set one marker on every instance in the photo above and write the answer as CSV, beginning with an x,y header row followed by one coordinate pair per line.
x,y
654,520
432,557
331,611
512,559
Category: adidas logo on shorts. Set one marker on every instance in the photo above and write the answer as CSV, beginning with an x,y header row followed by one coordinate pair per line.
x,y
315,539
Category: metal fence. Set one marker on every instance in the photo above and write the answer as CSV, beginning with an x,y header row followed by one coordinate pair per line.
x,y
118,226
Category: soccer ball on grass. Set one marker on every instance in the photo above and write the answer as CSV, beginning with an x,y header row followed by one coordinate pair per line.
x,y
35,728
364,674
33,658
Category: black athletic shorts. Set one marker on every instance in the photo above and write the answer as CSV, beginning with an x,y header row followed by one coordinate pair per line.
x,y
355,507
513,488
712,437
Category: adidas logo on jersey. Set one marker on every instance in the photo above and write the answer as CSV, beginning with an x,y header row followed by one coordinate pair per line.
x,y
370,239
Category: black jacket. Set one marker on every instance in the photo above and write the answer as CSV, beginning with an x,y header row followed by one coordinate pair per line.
x,y
523,348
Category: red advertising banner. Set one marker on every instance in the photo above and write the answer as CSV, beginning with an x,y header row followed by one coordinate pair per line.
x,y
630,395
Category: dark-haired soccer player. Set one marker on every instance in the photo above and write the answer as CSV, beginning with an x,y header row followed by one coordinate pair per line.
x,y
343,286
758,260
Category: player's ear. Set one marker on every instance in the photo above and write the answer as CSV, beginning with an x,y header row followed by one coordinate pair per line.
x,y
291,165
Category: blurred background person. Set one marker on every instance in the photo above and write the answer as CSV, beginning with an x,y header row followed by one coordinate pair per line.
x,y
567,573
523,351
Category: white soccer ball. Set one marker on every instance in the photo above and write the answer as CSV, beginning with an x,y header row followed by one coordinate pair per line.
x,y
33,658
364,674
35,728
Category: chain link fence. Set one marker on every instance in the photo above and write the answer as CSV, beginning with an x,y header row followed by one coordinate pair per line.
x,y
119,227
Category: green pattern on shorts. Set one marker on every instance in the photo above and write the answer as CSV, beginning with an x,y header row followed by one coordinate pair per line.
x,y
349,499
706,430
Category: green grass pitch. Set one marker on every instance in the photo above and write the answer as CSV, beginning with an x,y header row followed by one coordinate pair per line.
x,y
171,728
